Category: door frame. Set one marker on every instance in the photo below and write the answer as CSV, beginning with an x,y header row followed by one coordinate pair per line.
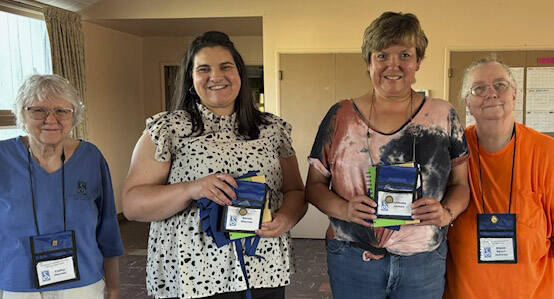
x,y
162,81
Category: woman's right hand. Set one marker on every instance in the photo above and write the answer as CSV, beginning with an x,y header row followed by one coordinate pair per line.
x,y
360,209
215,187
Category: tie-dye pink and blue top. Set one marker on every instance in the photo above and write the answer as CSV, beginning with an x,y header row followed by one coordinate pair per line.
x,y
341,152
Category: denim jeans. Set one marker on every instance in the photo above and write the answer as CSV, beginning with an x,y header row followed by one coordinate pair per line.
x,y
420,276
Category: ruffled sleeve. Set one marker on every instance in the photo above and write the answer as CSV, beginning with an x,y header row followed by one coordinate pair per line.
x,y
279,132
164,128
285,140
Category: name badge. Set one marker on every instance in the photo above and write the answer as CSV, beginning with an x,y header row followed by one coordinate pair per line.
x,y
242,219
54,271
394,204
396,188
497,243
245,213
54,258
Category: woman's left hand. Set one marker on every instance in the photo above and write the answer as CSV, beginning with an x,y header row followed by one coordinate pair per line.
x,y
279,225
430,212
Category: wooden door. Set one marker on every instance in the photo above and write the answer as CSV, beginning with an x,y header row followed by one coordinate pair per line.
x,y
351,77
310,85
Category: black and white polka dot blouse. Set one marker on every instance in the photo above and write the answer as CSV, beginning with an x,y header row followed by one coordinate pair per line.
x,y
182,261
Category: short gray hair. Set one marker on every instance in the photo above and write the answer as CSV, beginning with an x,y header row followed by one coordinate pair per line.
x,y
39,88
466,85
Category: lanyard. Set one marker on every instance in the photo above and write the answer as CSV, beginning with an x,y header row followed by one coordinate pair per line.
x,y
372,163
481,173
33,192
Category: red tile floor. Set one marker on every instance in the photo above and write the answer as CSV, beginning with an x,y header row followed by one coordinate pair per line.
x,y
309,282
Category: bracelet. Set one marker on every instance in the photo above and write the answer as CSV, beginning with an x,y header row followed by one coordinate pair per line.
x,y
449,211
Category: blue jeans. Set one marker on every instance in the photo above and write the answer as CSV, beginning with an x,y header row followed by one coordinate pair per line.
x,y
420,276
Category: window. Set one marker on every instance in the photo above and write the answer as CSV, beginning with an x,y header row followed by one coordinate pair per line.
x,y
24,50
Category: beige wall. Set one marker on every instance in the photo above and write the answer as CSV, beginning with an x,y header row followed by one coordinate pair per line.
x,y
289,26
124,87
319,25
115,107
158,51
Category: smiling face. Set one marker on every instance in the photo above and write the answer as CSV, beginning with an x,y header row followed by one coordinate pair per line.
x,y
216,79
49,131
491,105
392,70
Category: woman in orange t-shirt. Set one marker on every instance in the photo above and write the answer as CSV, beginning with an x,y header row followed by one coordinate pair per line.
x,y
500,247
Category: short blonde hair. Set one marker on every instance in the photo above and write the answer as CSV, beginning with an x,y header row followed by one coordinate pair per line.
x,y
393,28
39,88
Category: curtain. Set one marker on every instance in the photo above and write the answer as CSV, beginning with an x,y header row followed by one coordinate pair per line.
x,y
68,53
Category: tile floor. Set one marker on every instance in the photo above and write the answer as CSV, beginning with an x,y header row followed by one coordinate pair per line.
x,y
309,282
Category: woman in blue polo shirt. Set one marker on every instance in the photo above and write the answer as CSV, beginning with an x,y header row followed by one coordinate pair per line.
x,y
58,228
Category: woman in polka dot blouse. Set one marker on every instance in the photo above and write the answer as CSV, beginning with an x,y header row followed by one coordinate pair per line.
x,y
213,134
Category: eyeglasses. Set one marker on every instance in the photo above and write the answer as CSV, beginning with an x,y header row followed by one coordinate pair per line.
x,y
498,86
41,113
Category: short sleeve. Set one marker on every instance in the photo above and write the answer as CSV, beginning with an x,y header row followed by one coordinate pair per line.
x,y
163,128
546,174
459,151
107,230
285,140
549,198
321,149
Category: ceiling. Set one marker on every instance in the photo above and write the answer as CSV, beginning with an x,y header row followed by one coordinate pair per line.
x,y
72,5
233,26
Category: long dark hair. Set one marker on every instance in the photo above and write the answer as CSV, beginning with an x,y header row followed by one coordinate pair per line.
x,y
185,97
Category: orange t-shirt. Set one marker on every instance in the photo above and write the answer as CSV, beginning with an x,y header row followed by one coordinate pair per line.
x,y
533,204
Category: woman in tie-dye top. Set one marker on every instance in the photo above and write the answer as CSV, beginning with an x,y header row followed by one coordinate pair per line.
x,y
382,127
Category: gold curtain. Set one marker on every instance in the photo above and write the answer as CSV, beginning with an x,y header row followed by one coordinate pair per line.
x,y
68,53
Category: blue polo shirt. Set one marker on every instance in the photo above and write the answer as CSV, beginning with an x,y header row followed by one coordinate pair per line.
x,y
90,212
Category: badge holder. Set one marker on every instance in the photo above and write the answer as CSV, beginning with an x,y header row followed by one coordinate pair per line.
x,y
54,255
54,258
246,212
397,187
496,233
496,239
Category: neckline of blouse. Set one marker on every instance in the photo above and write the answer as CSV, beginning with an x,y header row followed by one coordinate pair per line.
x,y
214,122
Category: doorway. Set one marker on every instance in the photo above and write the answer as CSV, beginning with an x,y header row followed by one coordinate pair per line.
x,y
310,84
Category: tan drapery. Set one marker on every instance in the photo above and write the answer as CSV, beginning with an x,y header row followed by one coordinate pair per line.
x,y
68,53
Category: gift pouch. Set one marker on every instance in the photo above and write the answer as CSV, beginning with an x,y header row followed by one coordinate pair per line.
x,y
396,188
54,258
246,212
496,239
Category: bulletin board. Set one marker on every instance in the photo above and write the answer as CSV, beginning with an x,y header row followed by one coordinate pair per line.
x,y
533,71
